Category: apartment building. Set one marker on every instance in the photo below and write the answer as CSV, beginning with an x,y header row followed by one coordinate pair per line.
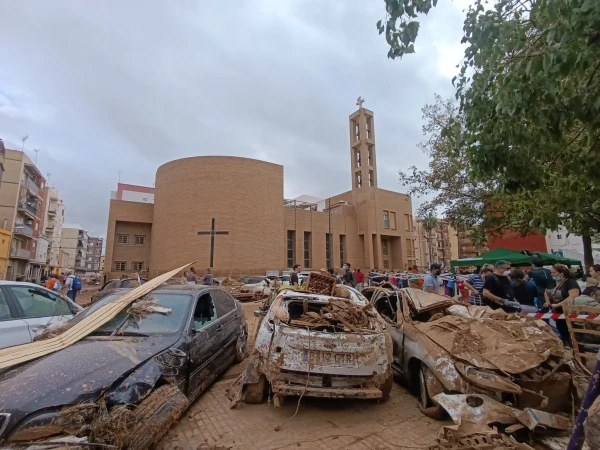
x,y
5,235
53,225
22,201
434,246
74,241
466,247
94,254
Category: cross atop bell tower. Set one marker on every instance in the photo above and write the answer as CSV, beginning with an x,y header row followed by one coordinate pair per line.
x,y
362,147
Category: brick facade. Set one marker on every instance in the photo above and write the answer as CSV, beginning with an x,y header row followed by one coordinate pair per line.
x,y
245,199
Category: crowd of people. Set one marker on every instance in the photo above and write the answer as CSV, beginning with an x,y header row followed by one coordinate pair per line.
x,y
65,283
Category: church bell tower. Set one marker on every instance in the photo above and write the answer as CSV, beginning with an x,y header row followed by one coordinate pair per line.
x,y
362,148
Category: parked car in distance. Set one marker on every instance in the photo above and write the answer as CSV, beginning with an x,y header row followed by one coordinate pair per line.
x,y
27,308
112,286
297,358
254,280
444,346
154,367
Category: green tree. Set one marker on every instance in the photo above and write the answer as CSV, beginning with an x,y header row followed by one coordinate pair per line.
x,y
430,223
529,92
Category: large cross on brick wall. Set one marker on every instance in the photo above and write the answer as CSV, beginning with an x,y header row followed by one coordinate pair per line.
x,y
212,234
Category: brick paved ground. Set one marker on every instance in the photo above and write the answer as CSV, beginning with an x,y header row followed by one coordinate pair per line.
x,y
320,424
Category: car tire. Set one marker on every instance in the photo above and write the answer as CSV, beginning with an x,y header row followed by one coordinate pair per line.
x,y
386,388
255,393
426,404
156,414
241,345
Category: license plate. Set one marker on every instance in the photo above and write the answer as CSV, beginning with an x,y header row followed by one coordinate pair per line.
x,y
330,358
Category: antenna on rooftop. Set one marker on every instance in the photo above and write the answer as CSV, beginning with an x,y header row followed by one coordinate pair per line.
x,y
23,145
36,150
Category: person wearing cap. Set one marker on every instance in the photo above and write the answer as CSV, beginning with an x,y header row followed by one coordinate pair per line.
x,y
431,282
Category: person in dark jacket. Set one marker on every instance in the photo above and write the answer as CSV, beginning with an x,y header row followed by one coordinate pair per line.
x,y
525,291
542,278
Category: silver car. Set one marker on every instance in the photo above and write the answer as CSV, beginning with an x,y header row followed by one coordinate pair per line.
x,y
27,308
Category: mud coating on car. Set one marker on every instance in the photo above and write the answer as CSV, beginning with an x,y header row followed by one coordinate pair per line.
x,y
137,385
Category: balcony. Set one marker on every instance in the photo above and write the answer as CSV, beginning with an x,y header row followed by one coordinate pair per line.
x,y
28,209
50,229
23,230
30,184
21,253
52,212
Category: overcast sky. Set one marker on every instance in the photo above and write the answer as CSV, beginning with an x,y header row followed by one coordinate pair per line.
x,y
103,86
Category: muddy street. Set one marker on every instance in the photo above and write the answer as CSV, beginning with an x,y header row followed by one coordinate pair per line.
x,y
320,423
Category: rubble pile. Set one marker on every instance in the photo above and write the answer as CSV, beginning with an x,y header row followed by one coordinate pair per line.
x,y
347,315
320,284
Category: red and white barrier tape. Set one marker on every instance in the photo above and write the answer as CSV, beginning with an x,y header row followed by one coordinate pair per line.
x,y
561,316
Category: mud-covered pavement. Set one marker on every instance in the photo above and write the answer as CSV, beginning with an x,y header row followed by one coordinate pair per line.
x,y
320,423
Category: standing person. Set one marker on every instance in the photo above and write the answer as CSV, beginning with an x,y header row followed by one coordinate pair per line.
x,y
360,279
207,280
431,282
51,281
474,284
566,291
525,291
497,290
192,276
348,275
72,285
294,275
590,281
541,277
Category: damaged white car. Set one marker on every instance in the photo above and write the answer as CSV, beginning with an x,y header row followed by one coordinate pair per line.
x,y
443,346
321,346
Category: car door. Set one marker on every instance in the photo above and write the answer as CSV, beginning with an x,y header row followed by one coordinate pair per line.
x,y
228,326
39,307
13,329
204,344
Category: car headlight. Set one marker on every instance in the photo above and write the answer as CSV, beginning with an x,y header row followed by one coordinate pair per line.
x,y
487,380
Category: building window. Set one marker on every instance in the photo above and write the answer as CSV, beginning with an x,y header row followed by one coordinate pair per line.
x,y
328,250
371,178
409,247
357,157
358,180
356,130
559,236
290,248
386,264
120,266
139,239
392,220
386,219
122,239
369,127
307,249
342,249
137,266
407,221
384,247
370,155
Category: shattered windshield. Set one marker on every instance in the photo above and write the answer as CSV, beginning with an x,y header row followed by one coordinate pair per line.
x,y
130,322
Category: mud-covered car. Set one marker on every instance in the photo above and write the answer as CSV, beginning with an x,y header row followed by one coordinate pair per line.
x,y
130,379
443,346
115,286
321,346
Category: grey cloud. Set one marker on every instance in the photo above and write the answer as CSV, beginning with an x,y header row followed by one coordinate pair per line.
x,y
130,85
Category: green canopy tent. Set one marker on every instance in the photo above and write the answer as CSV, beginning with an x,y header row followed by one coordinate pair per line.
x,y
491,257
516,258
548,259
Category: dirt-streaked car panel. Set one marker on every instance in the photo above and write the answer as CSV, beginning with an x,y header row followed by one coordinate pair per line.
x,y
187,348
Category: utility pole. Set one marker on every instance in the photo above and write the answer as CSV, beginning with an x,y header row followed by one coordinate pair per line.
x,y
36,150
23,144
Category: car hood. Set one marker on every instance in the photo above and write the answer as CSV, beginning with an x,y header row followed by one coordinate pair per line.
x,y
512,346
79,373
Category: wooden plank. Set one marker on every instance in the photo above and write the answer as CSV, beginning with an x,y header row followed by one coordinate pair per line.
x,y
590,310
26,352
586,331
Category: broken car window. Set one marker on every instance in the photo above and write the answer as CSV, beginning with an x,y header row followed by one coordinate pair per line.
x,y
204,313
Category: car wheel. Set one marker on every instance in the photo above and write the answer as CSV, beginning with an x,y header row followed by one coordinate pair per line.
x,y
155,414
386,388
426,405
255,392
241,345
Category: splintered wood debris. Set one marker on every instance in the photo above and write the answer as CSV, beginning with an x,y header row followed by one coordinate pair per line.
x,y
320,284
342,313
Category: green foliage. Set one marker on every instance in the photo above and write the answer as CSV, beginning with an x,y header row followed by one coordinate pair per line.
x,y
529,92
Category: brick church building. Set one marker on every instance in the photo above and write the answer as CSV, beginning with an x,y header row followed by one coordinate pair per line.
x,y
229,213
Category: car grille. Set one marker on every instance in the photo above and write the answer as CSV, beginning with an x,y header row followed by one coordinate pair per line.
x,y
4,418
